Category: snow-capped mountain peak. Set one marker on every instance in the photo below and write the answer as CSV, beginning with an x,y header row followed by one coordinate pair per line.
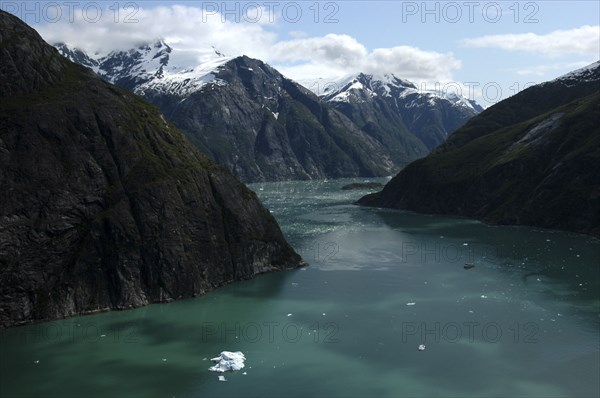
x,y
155,66
389,105
588,73
219,53
360,87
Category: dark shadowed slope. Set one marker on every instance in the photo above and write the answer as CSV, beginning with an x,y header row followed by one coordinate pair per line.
x,y
104,205
533,159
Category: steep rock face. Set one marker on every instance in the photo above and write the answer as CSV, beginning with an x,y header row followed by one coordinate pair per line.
x,y
103,205
246,115
533,159
265,127
411,120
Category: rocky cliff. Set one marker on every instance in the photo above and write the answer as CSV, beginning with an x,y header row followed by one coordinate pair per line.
x,y
103,205
264,127
245,114
532,159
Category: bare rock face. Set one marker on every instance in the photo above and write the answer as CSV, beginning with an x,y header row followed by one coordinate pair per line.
x,y
103,205
265,127
246,115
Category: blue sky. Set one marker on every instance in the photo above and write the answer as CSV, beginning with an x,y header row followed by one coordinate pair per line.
x,y
503,44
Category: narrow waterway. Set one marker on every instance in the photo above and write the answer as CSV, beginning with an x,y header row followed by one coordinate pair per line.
x,y
525,320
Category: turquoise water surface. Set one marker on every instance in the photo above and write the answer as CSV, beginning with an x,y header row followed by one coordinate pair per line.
x,y
524,321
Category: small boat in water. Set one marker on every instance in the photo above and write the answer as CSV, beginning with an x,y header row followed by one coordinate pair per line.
x,y
469,265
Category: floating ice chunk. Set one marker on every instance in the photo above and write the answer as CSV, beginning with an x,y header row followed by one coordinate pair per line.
x,y
228,361
36,361
411,303
222,378
289,314
483,296
465,244
421,347
324,314
164,359
244,373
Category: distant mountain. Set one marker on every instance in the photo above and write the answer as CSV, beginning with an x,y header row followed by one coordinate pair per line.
x,y
103,205
245,114
263,126
154,66
396,110
532,159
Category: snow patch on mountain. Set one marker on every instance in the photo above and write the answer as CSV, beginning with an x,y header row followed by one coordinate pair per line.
x,y
155,67
588,73
352,88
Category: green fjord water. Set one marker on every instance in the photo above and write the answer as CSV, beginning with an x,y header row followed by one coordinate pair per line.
x,y
524,321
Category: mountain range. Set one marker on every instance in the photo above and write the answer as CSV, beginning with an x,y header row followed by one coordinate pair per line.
x,y
103,204
264,127
385,105
532,159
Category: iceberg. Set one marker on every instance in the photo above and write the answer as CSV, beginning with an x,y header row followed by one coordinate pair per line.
x,y
227,361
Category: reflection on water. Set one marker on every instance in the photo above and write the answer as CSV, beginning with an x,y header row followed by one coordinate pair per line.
x,y
523,321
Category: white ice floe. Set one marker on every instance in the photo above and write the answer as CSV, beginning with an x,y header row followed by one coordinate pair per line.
x,y
227,361
411,303
421,347
222,378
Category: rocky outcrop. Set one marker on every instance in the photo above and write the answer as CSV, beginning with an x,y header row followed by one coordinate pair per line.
x,y
103,205
264,127
532,159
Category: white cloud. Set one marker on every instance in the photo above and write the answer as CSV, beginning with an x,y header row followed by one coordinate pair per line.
x,y
582,40
297,34
413,62
333,54
190,28
330,49
185,27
